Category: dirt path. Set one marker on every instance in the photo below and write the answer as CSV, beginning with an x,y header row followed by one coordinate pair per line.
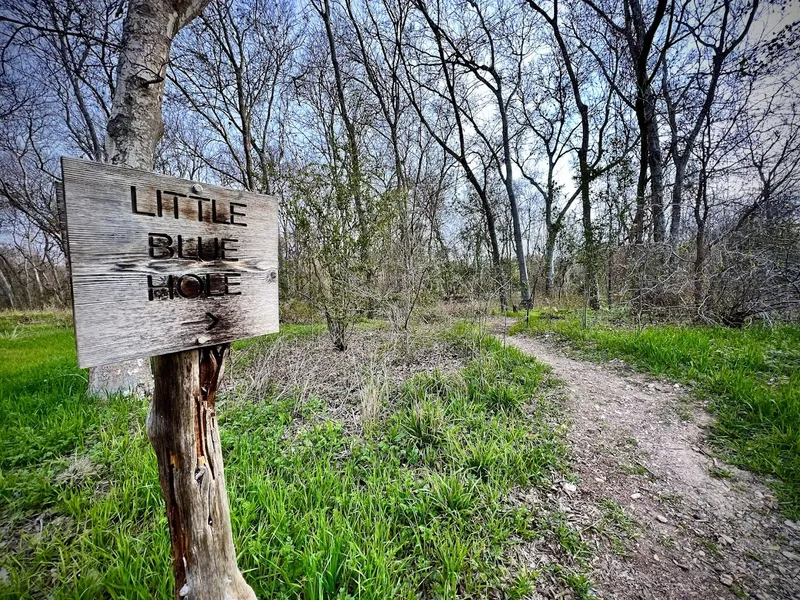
x,y
690,526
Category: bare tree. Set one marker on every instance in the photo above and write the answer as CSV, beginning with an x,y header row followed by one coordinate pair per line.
x,y
545,113
446,124
496,64
232,67
590,164
715,33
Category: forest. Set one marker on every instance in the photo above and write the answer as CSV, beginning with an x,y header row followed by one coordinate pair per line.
x,y
640,154
526,321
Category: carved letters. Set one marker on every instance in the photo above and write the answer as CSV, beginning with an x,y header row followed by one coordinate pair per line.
x,y
161,264
162,246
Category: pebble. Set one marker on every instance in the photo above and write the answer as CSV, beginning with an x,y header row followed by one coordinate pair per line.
x,y
726,579
677,386
726,539
662,518
570,488
636,496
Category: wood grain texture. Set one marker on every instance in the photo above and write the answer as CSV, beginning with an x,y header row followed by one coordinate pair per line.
x,y
182,426
111,259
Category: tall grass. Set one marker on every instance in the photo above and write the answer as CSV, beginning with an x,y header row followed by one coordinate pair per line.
x,y
751,378
418,506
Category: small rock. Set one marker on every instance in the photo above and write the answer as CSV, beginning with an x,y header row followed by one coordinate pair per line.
x,y
636,496
791,555
4,576
701,554
677,386
662,518
570,488
651,386
695,448
726,579
726,539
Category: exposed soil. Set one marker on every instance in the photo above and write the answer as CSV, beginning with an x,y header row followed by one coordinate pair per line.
x,y
700,528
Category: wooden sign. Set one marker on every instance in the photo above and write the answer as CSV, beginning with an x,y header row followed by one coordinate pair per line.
x,y
161,264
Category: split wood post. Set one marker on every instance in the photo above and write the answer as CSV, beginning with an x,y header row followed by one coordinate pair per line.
x,y
182,427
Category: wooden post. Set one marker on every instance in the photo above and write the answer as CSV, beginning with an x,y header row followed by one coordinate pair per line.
x,y
164,304
182,427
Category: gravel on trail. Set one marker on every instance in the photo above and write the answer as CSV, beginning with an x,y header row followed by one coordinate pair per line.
x,y
700,528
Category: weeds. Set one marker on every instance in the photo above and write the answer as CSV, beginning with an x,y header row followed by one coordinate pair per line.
x,y
419,507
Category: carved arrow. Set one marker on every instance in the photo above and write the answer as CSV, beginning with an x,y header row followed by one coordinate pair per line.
x,y
210,318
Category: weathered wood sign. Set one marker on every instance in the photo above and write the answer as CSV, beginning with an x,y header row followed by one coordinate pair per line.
x,y
161,264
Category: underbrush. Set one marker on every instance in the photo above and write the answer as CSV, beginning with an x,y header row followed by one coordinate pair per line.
x,y
422,501
750,377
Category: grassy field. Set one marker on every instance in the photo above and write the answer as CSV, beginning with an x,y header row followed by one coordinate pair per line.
x,y
420,505
750,377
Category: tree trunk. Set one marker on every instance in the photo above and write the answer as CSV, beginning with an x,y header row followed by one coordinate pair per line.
x,y
656,167
549,261
637,231
589,248
699,261
182,426
677,198
524,286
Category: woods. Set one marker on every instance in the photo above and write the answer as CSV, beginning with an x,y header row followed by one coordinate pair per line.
x,y
642,154
342,204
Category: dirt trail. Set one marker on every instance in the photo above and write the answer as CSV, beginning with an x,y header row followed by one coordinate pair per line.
x,y
703,529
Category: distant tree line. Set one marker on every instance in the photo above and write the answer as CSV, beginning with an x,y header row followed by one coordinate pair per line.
x,y
640,153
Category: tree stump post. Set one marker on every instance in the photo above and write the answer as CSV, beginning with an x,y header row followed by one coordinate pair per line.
x,y
182,427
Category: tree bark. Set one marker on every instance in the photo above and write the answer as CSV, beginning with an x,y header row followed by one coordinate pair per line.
x,y
524,286
699,262
549,266
182,426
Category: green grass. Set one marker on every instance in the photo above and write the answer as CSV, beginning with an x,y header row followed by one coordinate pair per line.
x,y
419,507
751,378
